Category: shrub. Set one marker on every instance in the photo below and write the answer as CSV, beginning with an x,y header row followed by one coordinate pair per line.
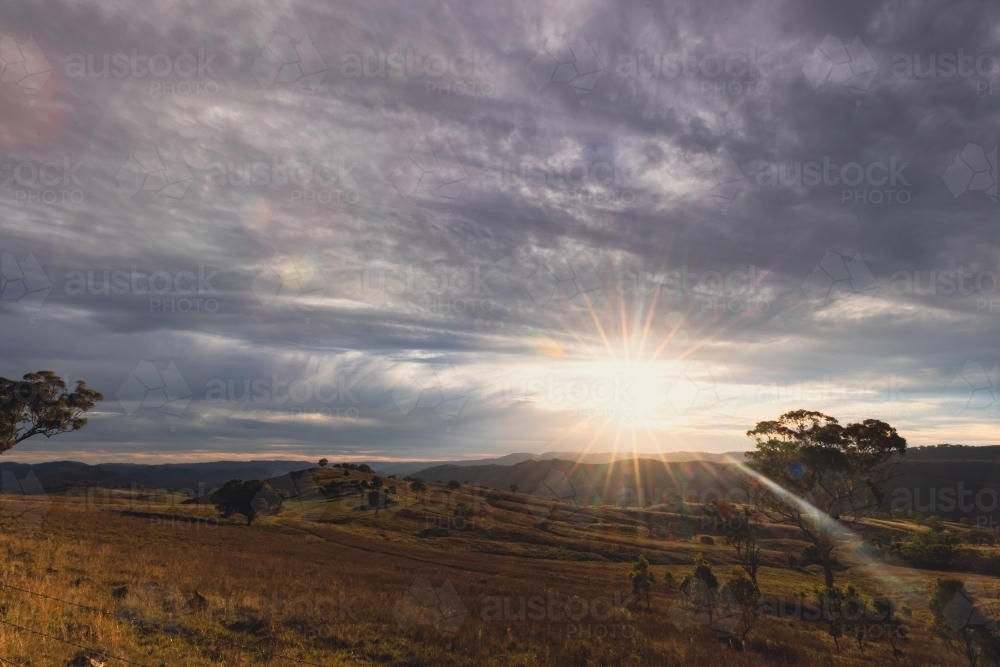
x,y
929,549
454,484
811,554
707,539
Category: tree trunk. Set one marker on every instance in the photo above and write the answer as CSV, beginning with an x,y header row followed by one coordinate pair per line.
x,y
827,568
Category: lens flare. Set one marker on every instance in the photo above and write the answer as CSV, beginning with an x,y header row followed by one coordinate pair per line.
x,y
545,346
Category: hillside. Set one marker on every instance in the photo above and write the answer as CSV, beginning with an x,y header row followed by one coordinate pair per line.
x,y
55,476
614,482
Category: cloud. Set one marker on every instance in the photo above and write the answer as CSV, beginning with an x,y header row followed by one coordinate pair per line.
x,y
306,193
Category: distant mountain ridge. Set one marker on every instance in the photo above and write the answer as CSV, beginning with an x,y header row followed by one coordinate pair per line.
x,y
411,467
57,476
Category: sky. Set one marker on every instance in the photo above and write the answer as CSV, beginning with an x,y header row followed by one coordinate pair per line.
x,y
428,231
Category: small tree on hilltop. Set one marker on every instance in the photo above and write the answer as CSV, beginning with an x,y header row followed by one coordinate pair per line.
x,y
39,404
454,484
513,488
365,468
417,486
376,499
813,473
701,589
739,527
323,463
642,579
249,499
746,596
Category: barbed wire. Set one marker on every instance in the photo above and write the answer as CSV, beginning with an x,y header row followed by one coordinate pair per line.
x,y
81,646
148,625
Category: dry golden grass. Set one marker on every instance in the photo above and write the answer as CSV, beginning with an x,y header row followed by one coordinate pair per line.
x,y
323,583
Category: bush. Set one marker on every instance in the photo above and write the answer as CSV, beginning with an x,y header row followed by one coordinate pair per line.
x,y
811,554
707,539
365,468
454,484
929,549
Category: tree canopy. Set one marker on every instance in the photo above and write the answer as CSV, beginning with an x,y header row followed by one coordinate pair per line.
x,y
249,499
810,471
40,404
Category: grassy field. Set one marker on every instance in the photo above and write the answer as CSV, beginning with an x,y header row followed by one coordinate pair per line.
x,y
442,577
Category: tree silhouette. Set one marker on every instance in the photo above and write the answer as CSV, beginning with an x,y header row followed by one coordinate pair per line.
x,y
513,488
642,579
739,526
40,404
249,499
813,473
323,462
